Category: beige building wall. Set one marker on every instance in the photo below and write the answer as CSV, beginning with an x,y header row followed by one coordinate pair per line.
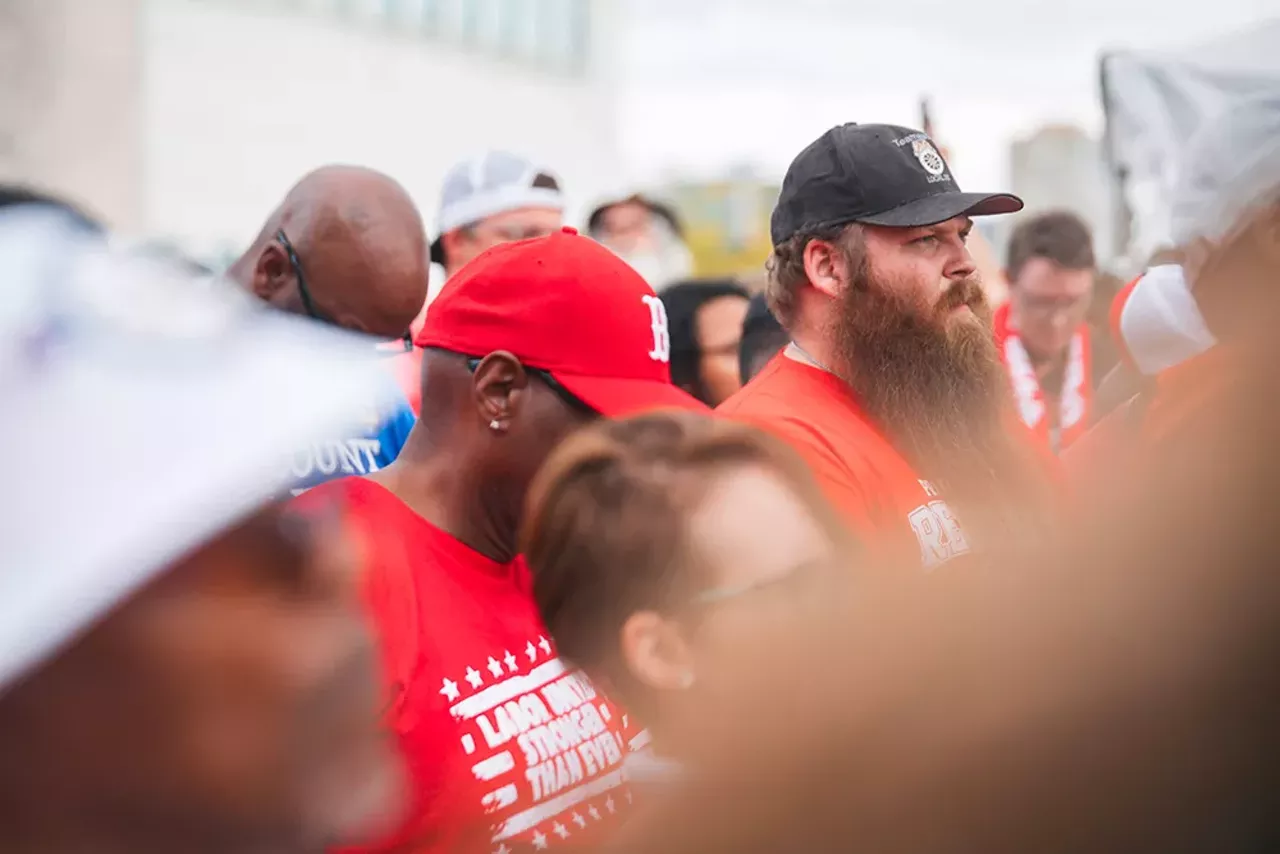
x,y
186,120
243,97
70,100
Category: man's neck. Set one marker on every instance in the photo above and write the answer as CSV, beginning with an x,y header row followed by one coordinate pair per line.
x,y
436,484
810,350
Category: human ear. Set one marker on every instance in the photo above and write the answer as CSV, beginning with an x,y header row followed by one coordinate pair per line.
x,y
655,652
500,385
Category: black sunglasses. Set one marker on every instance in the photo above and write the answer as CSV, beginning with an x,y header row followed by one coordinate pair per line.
x,y
404,343
570,399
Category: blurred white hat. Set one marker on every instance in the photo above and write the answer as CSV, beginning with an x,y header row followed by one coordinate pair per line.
x,y
1232,164
143,413
492,183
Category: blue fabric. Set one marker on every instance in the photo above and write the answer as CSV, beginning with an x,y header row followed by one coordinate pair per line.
x,y
361,452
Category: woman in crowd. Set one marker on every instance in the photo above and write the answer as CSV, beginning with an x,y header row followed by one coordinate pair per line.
x,y
667,550
705,321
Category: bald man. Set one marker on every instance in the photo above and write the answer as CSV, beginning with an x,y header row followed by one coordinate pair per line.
x,y
347,248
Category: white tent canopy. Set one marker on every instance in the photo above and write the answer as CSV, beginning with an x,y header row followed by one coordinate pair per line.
x,y
1154,102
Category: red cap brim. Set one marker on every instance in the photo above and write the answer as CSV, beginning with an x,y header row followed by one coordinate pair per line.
x,y
618,398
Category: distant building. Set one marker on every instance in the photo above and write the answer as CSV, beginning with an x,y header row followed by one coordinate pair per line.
x,y
187,120
71,78
726,222
1059,166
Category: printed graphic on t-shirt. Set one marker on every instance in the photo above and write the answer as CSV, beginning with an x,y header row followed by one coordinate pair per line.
x,y
939,534
365,452
546,746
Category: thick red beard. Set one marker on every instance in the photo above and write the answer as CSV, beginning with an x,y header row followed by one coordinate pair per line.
x,y
931,377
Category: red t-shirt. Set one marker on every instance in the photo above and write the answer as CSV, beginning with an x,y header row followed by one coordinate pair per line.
x,y
505,744
1141,428
871,485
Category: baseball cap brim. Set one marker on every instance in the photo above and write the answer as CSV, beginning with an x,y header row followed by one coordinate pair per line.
x,y
156,442
617,398
944,206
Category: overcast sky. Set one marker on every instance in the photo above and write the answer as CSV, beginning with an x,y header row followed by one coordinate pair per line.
x,y
707,84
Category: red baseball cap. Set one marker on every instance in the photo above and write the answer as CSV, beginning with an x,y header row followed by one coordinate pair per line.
x,y
566,305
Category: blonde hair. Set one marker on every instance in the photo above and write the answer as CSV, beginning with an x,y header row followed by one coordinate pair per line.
x,y
604,530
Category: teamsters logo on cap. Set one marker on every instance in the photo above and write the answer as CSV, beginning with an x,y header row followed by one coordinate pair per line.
x,y
928,156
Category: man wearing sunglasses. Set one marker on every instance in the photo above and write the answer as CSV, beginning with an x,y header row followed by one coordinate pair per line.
x,y
530,341
346,248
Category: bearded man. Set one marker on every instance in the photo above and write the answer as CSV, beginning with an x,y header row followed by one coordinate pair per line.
x,y
892,388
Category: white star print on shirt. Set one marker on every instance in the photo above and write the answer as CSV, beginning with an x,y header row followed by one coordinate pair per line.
x,y
608,804
594,813
510,661
494,667
560,830
450,690
502,849
579,820
474,677
539,840
545,644
531,651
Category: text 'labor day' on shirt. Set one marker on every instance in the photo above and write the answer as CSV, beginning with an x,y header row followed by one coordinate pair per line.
x,y
506,745
870,484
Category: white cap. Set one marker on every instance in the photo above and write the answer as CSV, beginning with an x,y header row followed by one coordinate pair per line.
x,y
143,413
492,183
1232,164
1161,323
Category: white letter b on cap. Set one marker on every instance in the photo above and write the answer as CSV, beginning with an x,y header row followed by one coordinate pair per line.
x,y
661,351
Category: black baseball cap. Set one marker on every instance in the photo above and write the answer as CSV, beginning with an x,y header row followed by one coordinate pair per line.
x,y
875,174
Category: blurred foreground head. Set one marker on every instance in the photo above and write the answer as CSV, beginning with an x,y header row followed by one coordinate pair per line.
x,y
1181,308
1234,258
181,666
345,247
1116,693
667,546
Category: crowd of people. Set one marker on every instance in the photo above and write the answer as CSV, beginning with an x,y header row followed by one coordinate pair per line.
x,y
587,552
